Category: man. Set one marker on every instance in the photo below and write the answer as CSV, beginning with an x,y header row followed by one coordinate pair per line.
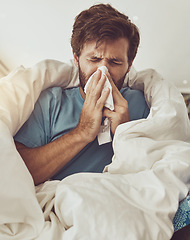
x,y
60,137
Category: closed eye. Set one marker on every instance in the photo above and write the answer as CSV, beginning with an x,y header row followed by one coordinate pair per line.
x,y
95,59
112,61
115,62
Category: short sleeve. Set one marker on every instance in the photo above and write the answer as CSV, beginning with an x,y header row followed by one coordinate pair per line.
x,y
36,131
138,107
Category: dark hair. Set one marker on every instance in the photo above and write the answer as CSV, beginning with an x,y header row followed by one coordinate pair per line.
x,y
101,22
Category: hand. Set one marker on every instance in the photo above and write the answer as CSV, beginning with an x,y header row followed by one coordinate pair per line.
x,y
121,112
92,111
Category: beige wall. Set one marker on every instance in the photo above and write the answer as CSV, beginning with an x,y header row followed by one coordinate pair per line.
x,y
32,30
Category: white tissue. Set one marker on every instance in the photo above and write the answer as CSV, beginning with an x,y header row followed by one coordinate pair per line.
x,y
104,134
109,102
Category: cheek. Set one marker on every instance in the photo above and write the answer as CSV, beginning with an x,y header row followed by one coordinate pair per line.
x,y
88,69
117,74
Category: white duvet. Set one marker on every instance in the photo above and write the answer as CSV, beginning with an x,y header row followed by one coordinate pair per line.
x,y
137,195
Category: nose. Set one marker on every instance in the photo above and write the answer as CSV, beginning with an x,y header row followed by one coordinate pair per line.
x,y
104,63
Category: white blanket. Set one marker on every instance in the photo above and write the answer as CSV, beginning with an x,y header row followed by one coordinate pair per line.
x,y
137,195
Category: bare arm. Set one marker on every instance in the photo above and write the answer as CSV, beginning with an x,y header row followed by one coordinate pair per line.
x,y
45,161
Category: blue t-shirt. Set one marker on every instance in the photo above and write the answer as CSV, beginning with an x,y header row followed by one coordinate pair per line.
x,y
57,112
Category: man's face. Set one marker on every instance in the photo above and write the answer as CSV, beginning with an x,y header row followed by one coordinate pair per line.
x,y
110,53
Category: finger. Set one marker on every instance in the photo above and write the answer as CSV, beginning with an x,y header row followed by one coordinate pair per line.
x,y
96,78
108,113
95,98
101,101
100,84
110,79
92,84
97,91
115,92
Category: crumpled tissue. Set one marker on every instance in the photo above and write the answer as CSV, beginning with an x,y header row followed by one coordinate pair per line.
x,y
104,134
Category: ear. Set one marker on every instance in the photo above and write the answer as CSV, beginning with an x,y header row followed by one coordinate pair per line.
x,y
76,59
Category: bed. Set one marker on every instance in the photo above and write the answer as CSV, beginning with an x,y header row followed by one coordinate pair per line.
x,y
137,195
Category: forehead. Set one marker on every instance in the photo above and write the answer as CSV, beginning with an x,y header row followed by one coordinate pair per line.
x,y
109,48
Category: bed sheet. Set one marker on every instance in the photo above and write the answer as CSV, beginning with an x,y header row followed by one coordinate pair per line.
x,y
138,194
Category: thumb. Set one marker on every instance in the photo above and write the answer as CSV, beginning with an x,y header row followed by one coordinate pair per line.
x,y
107,113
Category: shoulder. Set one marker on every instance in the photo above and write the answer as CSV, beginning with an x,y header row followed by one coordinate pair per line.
x,y
57,93
138,107
50,94
53,99
132,94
